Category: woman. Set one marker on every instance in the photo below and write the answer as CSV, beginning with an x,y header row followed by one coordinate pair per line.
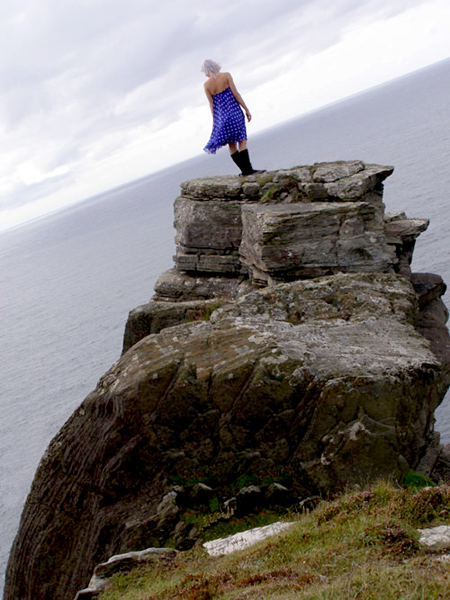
x,y
228,118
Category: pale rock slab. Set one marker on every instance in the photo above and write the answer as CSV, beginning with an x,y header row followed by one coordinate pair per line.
x,y
435,537
240,541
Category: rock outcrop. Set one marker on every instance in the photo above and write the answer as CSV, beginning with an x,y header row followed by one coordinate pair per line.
x,y
324,374
122,563
303,222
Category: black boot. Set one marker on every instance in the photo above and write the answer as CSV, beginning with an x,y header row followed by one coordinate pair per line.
x,y
245,164
236,158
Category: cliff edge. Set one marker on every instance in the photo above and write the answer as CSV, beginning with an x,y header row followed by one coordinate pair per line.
x,y
289,353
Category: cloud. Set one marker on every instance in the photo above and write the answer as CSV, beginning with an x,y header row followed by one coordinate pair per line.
x,y
83,81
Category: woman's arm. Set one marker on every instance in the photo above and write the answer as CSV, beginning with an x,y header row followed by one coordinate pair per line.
x,y
210,99
238,97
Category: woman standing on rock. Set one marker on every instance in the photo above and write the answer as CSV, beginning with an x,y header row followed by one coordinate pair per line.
x,y
228,118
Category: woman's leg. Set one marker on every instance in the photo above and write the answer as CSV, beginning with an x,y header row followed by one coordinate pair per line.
x,y
234,153
233,146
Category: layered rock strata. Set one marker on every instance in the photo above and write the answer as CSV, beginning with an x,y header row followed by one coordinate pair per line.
x,y
298,389
291,224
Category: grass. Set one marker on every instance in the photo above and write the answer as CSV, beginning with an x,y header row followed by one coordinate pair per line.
x,y
363,545
203,314
270,194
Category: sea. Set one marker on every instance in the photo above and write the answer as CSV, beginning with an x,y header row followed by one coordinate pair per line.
x,y
68,281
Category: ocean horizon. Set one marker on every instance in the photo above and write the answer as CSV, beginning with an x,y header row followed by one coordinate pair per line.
x,y
69,279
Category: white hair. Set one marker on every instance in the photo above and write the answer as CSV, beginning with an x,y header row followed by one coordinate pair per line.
x,y
210,67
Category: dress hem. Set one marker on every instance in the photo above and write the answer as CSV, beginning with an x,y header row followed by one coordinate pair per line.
x,y
213,149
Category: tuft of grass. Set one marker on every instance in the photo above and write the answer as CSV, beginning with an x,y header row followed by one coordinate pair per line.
x,y
264,179
203,314
211,308
414,480
270,194
427,506
361,545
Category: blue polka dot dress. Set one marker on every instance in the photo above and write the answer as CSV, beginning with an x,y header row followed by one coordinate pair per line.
x,y
228,121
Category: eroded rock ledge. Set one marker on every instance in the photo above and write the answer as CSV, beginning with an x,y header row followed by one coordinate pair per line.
x,y
288,354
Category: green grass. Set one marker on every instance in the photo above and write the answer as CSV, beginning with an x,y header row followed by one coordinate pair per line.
x,y
363,545
270,194
204,314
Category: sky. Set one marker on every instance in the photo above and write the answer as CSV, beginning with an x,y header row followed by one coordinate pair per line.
x,y
97,93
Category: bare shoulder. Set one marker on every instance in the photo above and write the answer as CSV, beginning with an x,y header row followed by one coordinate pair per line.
x,y
231,83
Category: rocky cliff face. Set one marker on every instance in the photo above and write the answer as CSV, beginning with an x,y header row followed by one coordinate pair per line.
x,y
288,354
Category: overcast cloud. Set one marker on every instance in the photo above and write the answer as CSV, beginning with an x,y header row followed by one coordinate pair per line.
x,y
95,93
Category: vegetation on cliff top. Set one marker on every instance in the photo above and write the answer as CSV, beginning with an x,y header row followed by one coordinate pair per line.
x,y
363,545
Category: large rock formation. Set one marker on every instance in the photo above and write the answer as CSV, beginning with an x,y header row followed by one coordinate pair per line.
x,y
301,386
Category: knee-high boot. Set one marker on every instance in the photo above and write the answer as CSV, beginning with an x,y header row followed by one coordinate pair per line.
x,y
235,157
245,164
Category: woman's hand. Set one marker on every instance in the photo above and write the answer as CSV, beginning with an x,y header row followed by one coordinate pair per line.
x,y
249,116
